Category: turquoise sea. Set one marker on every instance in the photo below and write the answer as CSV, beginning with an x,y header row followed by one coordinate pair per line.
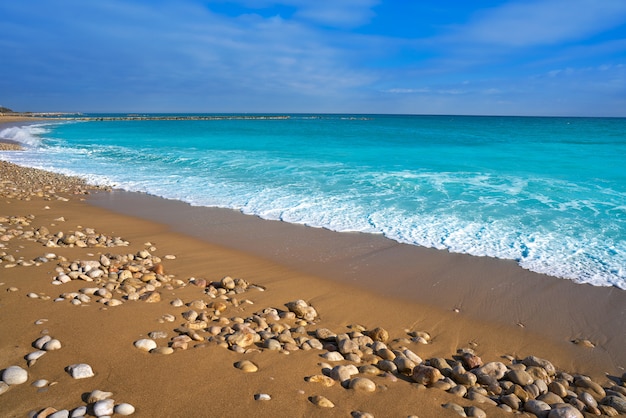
x,y
549,193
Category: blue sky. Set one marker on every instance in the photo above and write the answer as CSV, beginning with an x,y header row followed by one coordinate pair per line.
x,y
533,57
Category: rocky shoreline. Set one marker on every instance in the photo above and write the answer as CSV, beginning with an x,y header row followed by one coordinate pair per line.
x,y
233,314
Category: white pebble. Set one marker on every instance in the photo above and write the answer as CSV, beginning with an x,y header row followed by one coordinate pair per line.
x,y
104,407
52,345
33,295
79,412
3,387
40,383
145,344
34,355
80,371
262,397
14,375
124,409
41,341
63,413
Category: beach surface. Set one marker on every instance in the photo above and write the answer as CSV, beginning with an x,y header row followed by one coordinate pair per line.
x,y
430,304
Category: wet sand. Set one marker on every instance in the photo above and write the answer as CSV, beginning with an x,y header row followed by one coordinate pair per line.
x,y
354,281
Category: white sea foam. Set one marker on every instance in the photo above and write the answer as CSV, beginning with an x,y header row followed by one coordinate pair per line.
x,y
29,135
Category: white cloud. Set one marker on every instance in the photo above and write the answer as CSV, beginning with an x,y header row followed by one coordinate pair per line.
x,y
543,22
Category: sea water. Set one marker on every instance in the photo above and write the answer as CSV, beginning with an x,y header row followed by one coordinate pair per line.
x,y
549,193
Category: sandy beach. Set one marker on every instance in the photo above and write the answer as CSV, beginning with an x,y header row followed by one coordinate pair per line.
x,y
111,275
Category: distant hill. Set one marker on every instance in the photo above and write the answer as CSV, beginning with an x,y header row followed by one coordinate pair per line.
x,y
5,110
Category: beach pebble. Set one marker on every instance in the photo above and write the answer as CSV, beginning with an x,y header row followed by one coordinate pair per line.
x,y
362,384
14,375
34,355
145,344
565,411
321,401
52,345
615,402
246,366
361,414
124,409
323,380
163,350
98,395
302,310
41,341
379,334
519,377
3,387
426,375
536,407
80,371
78,412
64,413
333,356
262,397
455,407
104,407
40,383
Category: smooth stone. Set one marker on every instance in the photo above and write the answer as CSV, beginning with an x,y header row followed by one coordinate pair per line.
x,y
333,356
539,362
321,401
512,401
474,411
262,397
361,414
14,375
80,371
458,390
145,344
41,341
78,412
52,345
480,398
565,411
615,402
64,413
34,355
456,408
586,383
495,369
426,375
550,398
39,383
246,366
3,387
378,334
163,350
362,384
155,335
536,407
98,395
520,377
104,407
320,378
124,409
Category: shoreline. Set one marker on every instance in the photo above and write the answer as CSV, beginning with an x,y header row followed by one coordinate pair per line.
x,y
350,279
489,290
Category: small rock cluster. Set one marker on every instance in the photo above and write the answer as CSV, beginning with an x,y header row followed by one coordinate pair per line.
x,y
23,183
115,279
15,227
98,403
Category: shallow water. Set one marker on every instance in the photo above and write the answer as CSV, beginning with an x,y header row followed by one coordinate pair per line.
x,y
549,193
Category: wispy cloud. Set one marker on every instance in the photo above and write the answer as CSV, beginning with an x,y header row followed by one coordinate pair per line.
x,y
542,22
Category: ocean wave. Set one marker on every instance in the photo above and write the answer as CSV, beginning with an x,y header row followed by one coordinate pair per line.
x,y
29,135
